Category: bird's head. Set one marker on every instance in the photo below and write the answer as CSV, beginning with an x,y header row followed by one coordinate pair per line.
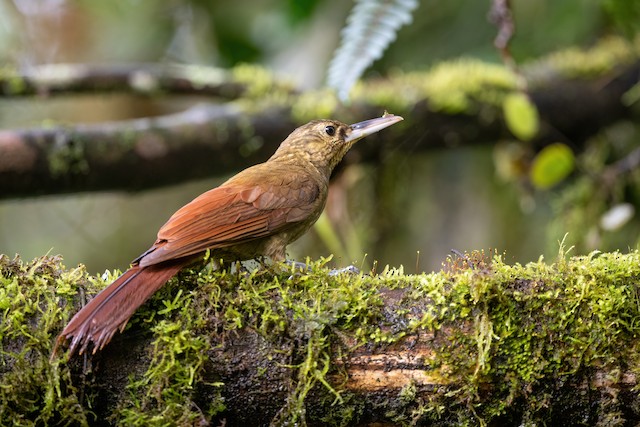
x,y
325,142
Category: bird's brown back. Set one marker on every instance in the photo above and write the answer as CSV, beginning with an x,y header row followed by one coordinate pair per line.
x,y
275,200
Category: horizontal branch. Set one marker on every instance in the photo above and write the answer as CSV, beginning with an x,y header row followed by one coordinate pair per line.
x,y
206,140
140,79
214,140
496,344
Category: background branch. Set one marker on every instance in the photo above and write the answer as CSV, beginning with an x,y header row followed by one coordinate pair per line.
x,y
140,79
203,141
214,140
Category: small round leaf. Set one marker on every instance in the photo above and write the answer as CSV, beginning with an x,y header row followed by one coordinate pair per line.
x,y
553,164
521,116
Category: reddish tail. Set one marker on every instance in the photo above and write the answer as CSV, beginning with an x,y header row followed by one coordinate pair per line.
x,y
112,308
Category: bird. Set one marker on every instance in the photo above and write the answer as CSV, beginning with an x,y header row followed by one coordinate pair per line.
x,y
255,213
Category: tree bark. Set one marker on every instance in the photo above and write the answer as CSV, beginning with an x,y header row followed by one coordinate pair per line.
x,y
207,140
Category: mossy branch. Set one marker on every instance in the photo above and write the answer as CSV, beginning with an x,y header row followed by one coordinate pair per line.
x,y
480,343
141,79
577,93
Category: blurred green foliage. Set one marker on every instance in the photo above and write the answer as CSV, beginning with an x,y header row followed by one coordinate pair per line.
x,y
551,166
521,116
624,15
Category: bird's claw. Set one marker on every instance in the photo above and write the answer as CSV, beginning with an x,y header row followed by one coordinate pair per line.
x,y
297,265
351,269
300,267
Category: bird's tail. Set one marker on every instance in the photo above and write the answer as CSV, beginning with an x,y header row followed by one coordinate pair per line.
x,y
112,308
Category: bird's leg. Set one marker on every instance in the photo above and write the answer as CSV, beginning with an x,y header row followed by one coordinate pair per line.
x,y
263,262
242,269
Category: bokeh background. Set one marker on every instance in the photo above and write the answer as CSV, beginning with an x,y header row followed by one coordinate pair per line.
x,y
435,201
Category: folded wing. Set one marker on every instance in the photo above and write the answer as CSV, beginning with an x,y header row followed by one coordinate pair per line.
x,y
234,213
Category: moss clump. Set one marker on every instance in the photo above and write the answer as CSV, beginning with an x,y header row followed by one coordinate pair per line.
x,y
68,158
521,337
296,312
164,392
33,390
451,87
305,306
461,86
600,59
313,105
261,84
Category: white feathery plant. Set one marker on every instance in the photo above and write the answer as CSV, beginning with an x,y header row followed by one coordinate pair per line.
x,y
371,27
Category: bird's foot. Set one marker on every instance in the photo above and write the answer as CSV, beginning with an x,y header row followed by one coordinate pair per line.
x,y
297,265
351,269
241,269
302,267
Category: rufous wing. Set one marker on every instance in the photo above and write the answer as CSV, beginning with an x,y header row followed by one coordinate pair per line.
x,y
234,213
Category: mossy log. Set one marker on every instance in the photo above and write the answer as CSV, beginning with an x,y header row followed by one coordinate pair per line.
x,y
479,343
249,112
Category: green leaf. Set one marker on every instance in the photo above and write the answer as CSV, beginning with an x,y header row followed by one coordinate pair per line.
x,y
521,116
553,164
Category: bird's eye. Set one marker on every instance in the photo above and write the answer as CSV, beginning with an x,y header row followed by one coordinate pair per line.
x,y
330,130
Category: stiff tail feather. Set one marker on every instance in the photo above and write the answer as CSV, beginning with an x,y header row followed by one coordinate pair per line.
x,y
112,308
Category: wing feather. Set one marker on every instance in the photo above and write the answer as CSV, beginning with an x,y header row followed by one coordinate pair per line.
x,y
232,214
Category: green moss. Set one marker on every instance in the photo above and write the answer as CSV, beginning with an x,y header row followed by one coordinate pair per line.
x,y
261,83
67,158
307,305
504,336
347,413
461,85
516,314
164,392
454,86
201,76
603,57
450,87
33,390
393,95
579,320
313,105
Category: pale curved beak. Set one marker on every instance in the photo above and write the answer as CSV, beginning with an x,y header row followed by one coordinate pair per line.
x,y
360,130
